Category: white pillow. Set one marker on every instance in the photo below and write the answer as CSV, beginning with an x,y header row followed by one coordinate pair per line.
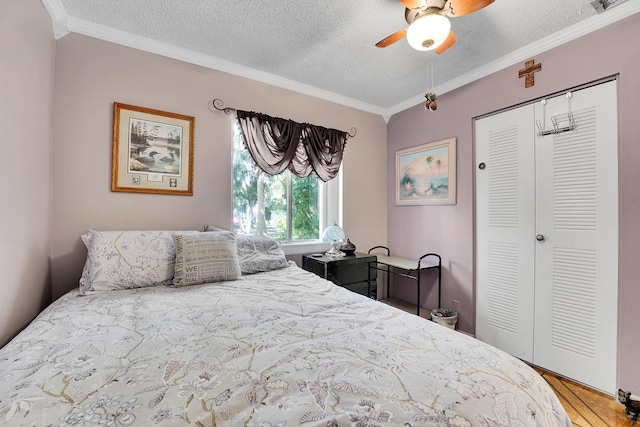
x,y
205,257
257,254
127,259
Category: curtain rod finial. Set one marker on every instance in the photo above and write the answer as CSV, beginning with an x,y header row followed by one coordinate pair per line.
x,y
352,132
218,104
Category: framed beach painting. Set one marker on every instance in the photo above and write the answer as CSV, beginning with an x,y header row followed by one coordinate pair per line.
x,y
426,174
152,151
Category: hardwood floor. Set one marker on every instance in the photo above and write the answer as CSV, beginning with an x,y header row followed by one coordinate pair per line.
x,y
586,407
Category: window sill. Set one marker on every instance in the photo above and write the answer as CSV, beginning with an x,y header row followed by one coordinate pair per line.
x,y
305,248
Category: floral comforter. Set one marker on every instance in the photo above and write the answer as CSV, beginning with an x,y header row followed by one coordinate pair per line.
x,y
283,348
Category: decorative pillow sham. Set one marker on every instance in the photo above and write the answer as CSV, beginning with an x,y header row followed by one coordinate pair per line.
x,y
127,259
257,254
214,228
205,257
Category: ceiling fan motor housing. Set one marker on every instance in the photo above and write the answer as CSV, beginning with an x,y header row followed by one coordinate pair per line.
x,y
429,27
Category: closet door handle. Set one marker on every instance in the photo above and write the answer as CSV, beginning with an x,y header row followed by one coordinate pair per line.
x,y
540,238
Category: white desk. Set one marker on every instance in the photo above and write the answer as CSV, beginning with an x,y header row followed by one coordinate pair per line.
x,y
410,268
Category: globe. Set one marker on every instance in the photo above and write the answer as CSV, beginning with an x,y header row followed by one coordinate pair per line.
x,y
333,234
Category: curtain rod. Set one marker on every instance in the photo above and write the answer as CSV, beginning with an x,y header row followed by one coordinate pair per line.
x,y
218,104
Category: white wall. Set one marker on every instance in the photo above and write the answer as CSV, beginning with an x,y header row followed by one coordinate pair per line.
x,y
92,74
27,50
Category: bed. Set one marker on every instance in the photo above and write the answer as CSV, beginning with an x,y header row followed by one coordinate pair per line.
x,y
271,345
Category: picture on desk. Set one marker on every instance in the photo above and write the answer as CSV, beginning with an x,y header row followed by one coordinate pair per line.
x,y
426,174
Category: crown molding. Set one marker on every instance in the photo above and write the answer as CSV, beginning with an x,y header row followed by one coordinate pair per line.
x,y
64,24
102,32
58,15
554,40
55,9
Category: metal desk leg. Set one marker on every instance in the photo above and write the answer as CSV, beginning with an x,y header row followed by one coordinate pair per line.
x,y
439,285
418,302
369,280
388,282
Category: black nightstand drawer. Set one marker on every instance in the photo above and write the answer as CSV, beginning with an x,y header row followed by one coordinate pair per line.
x,y
351,272
362,288
345,274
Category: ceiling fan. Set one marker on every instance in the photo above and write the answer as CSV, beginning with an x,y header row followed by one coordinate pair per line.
x,y
429,27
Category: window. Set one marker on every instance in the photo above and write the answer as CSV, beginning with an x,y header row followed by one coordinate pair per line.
x,y
285,207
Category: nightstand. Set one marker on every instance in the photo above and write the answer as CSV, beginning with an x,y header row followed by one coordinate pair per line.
x,y
351,271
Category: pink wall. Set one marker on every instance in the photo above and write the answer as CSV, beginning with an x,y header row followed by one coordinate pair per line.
x,y
449,230
26,83
92,74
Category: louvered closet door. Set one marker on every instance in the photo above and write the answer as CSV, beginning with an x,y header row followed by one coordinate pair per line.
x,y
576,276
505,229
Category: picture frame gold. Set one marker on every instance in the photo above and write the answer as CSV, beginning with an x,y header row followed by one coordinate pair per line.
x,y
426,174
152,151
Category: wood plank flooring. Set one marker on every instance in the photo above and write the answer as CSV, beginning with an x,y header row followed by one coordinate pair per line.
x,y
586,407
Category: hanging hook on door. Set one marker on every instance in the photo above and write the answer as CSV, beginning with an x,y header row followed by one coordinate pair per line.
x,y
556,120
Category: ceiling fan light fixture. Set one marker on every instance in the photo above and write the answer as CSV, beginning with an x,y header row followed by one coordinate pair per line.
x,y
602,5
428,32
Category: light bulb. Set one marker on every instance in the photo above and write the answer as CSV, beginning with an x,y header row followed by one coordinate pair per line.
x,y
428,32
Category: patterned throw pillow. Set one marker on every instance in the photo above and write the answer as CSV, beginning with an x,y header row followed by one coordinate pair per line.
x,y
205,257
257,254
127,259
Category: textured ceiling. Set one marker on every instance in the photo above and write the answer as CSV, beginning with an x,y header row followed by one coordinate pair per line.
x,y
329,44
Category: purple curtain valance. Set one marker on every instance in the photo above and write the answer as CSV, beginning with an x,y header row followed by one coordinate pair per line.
x,y
276,144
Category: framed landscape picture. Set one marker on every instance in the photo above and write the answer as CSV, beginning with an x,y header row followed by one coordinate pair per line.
x,y
426,174
152,151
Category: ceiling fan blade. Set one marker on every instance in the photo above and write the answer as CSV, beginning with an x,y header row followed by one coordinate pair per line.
x,y
464,7
398,35
414,4
449,42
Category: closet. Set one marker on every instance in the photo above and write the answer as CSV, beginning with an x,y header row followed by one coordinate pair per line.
x,y
547,233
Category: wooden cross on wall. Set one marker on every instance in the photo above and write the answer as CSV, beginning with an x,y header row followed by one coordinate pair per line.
x,y
527,72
